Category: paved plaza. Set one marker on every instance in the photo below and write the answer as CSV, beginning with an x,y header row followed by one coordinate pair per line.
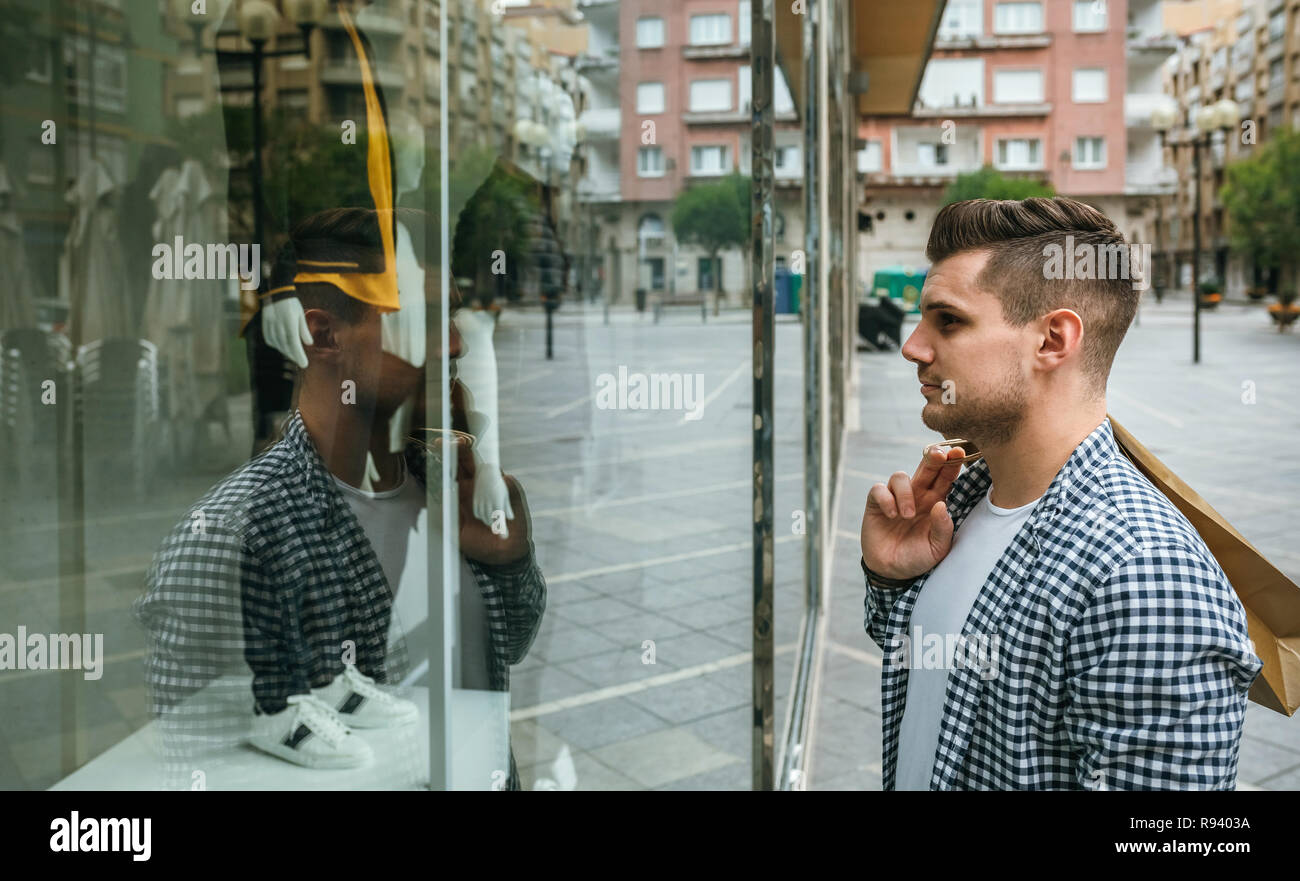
x,y
640,677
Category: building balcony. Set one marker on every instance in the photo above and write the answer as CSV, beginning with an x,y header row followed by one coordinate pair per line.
x,y
348,73
977,110
709,52
602,124
1276,94
715,117
1275,50
589,62
1157,43
1138,107
1007,41
1149,179
600,188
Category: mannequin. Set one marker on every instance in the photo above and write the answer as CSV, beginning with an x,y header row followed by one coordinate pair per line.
x,y
285,329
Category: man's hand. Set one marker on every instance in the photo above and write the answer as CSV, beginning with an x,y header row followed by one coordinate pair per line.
x,y
906,529
477,540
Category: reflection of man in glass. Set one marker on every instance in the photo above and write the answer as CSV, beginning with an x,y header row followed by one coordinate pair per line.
x,y
294,562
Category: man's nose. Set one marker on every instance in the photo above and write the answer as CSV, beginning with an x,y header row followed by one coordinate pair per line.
x,y
914,349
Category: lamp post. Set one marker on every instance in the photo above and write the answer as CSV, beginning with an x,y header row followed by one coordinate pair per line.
x,y
1199,132
258,21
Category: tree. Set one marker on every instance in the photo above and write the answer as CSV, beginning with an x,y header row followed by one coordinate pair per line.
x,y
1262,198
714,216
989,183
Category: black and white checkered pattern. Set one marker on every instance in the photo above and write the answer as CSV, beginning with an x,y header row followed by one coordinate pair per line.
x,y
1124,657
271,571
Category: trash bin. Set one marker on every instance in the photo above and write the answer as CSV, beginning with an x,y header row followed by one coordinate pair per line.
x,y
640,299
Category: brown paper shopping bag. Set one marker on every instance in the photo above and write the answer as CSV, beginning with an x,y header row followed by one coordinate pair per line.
x,y
1271,599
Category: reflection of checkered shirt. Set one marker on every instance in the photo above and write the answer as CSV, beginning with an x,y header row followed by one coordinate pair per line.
x,y
271,568
1124,659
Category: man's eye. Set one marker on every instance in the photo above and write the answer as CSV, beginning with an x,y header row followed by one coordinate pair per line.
x,y
946,320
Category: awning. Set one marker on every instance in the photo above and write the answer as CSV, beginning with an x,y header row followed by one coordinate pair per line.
x,y
891,45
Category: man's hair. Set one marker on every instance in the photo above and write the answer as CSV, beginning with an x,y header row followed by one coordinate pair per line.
x,y
1018,236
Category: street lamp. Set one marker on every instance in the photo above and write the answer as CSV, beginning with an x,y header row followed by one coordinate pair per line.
x,y
258,21
1200,128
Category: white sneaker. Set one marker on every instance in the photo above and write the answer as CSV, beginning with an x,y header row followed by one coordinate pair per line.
x,y
362,704
308,732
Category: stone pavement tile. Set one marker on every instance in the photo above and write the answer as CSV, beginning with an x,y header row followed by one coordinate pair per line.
x,y
591,775
568,592
1290,781
630,631
616,667
703,615
568,642
693,648
852,681
853,781
689,700
604,722
730,731
1260,760
542,684
1265,724
591,613
617,583
729,778
663,757
660,597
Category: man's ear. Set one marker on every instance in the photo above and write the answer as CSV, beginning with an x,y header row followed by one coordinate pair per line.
x,y
324,328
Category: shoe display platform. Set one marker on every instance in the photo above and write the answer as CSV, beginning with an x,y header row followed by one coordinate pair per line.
x,y
480,757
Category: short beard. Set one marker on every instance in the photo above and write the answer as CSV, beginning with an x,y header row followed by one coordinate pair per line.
x,y
986,421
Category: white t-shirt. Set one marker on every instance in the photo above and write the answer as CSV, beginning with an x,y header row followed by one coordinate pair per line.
x,y
941,610
397,524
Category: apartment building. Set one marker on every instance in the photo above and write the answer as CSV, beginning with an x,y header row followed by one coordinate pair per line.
x,y
1251,56
668,106
1058,91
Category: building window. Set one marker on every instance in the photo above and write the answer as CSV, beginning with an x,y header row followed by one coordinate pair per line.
x,y
962,19
656,266
785,162
1020,153
710,160
778,228
1277,26
1089,152
649,33
746,78
931,155
1089,85
1018,18
650,162
1017,86
1089,16
710,30
744,21
704,274
952,82
40,163
870,157
650,230
650,98
710,95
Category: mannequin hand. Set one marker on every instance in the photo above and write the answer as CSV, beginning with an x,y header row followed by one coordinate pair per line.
x,y
491,495
284,325
477,540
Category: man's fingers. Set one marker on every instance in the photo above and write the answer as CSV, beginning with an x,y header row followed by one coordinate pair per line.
x,y
901,487
883,500
934,463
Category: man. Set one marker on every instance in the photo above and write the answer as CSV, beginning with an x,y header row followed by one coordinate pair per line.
x,y
1049,619
294,563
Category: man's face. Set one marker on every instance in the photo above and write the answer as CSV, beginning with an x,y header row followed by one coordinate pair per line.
x,y
973,365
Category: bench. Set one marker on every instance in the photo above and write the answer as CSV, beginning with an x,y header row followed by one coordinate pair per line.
x,y
689,300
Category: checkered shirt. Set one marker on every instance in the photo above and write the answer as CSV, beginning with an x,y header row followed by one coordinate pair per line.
x,y
271,569
1123,659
